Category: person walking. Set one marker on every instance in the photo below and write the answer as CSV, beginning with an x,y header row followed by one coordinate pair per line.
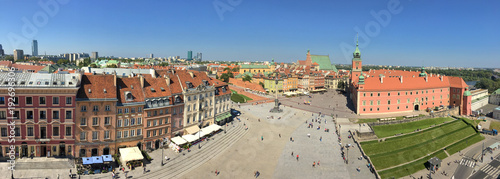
x,y
292,153
279,135
314,164
297,157
126,173
318,162
320,138
261,138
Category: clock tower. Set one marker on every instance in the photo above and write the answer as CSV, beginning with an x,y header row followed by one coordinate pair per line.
x,y
356,63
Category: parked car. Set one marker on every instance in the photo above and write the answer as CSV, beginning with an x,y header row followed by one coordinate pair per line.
x,y
235,112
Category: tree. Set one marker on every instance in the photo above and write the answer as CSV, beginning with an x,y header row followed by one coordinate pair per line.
x,y
35,59
237,69
261,84
341,84
93,65
112,66
225,76
227,69
9,58
163,64
62,61
247,78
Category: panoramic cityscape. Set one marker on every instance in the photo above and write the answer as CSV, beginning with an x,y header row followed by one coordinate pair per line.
x,y
250,89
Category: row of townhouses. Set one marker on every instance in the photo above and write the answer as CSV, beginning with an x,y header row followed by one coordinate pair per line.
x,y
90,114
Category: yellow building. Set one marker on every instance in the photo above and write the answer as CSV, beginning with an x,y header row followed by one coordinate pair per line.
x,y
254,69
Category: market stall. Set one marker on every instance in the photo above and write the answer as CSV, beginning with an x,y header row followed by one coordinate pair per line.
x,y
131,157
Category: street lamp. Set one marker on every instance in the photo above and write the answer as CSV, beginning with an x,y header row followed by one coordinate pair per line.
x,y
199,135
162,143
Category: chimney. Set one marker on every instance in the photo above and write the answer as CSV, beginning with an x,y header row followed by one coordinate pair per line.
x,y
167,79
114,79
426,79
191,74
441,77
381,79
141,78
401,79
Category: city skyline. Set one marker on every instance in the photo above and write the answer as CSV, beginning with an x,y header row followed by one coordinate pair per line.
x,y
407,33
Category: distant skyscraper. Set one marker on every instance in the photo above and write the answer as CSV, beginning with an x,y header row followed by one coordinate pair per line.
x,y
1,51
151,56
18,54
190,55
34,48
198,56
94,56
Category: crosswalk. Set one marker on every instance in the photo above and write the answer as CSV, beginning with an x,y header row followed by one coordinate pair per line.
x,y
490,170
467,162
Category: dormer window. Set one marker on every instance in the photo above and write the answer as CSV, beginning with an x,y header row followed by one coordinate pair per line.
x,y
54,83
128,96
178,99
23,82
223,89
132,86
105,91
153,90
189,84
90,91
162,89
205,82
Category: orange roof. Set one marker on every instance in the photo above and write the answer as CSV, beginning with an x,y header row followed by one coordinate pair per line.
x,y
97,84
132,85
28,67
157,84
457,82
409,83
5,63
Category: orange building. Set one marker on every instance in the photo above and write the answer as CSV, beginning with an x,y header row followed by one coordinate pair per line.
x,y
96,114
393,91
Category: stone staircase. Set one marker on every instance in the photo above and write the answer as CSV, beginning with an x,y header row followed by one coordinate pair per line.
x,y
177,167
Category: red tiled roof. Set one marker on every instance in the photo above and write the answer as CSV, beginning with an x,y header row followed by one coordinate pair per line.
x,y
5,63
28,67
133,85
97,84
409,83
457,82
246,84
156,84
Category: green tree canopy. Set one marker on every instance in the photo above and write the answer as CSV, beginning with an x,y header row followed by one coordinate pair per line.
x,y
247,78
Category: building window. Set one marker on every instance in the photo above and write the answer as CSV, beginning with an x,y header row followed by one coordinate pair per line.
x,y
83,109
29,100
154,132
95,121
83,121
132,121
132,133
378,102
16,100
126,111
2,100
96,108
4,132
398,101
388,101
68,131
95,135
119,123
139,120
43,114
118,134
378,109
148,134
132,110
161,121
55,100
69,115
160,131
107,108
154,123
29,114
55,131
371,94
139,132
378,94
139,109
3,115
42,100
149,123
83,135
149,113
107,120
55,114
106,134
125,122
399,93
69,100
388,94
30,131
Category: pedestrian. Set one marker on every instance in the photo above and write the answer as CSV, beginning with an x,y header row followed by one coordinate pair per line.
x,y
113,175
292,153
320,138
290,138
261,138
318,162
279,135
216,172
314,164
297,157
144,170
126,173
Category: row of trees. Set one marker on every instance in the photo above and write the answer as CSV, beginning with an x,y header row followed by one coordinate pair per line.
x,y
489,84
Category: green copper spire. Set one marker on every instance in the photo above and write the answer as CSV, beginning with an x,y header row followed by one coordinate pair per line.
x,y
422,72
357,53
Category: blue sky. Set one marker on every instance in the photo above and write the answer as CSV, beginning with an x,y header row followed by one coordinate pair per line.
x,y
429,33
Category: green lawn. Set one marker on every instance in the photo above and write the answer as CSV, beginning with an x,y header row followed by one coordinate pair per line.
x,y
464,143
494,125
410,168
239,97
376,119
389,130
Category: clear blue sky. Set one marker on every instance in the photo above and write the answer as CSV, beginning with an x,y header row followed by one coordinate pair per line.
x,y
431,33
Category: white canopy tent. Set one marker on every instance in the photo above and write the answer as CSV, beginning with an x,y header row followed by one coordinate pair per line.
x,y
211,128
190,137
178,140
130,154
